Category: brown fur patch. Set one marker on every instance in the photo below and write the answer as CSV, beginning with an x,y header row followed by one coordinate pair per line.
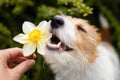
x,y
88,41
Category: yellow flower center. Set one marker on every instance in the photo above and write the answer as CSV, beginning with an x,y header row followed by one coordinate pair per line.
x,y
35,35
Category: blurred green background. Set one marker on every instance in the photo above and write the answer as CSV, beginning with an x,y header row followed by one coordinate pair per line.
x,y
14,12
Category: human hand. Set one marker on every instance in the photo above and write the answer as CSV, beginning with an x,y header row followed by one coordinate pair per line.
x,y
11,57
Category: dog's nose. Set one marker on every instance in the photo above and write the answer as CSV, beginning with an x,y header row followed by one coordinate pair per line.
x,y
57,22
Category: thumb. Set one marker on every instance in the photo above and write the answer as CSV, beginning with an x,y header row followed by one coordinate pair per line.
x,y
23,67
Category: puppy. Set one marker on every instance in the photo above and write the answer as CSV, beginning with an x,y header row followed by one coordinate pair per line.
x,y
76,51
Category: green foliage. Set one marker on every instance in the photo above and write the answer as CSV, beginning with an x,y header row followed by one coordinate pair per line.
x,y
14,12
5,37
76,5
51,11
7,3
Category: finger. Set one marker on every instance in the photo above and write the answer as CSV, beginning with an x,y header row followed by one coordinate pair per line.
x,y
23,67
11,65
13,62
18,60
11,53
33,56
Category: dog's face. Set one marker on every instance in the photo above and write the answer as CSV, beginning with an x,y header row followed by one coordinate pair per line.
x,y
73,39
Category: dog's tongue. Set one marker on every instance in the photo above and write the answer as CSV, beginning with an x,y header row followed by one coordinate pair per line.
x,y
54,46
58,46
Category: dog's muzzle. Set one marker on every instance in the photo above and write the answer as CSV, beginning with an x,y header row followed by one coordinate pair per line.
x,y
55,42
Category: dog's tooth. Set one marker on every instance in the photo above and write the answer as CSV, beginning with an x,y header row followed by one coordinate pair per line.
x,y
59,44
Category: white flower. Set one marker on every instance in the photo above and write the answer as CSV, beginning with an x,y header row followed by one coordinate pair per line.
x,y
33,37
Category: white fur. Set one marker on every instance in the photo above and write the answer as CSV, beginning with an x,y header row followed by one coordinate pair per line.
x,y
66,31
69,66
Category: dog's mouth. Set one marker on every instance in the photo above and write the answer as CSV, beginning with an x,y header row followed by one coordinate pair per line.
x,y
56,44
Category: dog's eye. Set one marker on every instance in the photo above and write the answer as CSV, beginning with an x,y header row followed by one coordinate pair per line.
x,y
81,29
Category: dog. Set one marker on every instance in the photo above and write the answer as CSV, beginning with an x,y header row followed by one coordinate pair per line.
x,y
76,51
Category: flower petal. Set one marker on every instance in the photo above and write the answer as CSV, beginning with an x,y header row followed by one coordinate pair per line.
x,y
47,37
21,38
41,48
43,25
28,27
28,49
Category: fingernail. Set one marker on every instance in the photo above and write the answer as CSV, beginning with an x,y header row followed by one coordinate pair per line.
x,y
31,62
